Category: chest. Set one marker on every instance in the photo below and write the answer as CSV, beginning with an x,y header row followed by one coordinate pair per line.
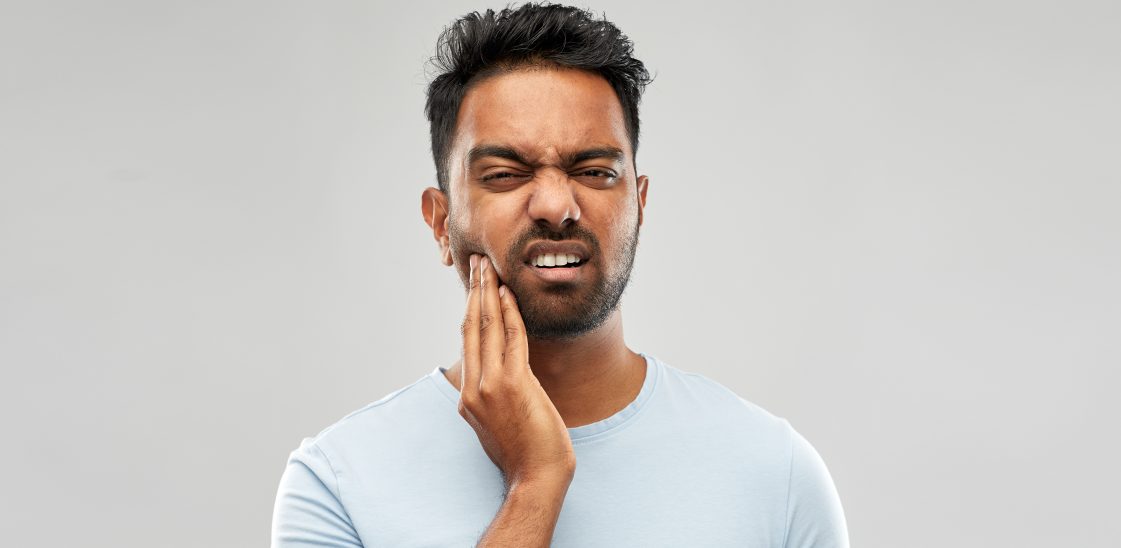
x,y
622,495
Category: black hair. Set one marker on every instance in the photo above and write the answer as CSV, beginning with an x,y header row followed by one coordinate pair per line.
x,y
480,44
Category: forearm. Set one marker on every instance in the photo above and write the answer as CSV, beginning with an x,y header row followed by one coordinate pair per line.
x,y
528,517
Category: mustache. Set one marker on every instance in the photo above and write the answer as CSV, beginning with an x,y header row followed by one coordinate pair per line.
x,y
541,232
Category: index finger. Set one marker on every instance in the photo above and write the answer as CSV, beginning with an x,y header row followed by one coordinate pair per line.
x,y
469,378
517,345
492,346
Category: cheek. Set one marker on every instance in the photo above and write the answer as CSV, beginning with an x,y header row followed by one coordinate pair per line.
x,y
623,215
461,239
476,233
496,219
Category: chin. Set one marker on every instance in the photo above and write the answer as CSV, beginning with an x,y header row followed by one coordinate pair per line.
x,y
562,322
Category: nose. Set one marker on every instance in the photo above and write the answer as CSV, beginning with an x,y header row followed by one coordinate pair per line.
x,y
554,200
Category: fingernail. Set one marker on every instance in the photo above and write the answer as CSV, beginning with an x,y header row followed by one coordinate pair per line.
x,y
474,261
483,264
502,291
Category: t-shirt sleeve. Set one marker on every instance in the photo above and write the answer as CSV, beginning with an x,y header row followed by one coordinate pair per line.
x,y
814,517
308,509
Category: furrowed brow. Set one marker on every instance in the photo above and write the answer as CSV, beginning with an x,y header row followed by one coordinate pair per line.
x,y
494,151
610,153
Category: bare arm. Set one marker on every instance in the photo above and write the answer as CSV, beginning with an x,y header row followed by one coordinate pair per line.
x,y
516,422
528,517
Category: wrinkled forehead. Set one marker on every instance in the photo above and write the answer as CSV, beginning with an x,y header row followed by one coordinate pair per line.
x,y
542,111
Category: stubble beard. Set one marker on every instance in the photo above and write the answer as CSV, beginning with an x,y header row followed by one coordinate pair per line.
x,y
563,311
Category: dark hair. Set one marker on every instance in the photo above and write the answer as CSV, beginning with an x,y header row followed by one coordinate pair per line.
x,y
480,44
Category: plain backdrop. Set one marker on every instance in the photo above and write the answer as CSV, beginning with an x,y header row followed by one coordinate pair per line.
x,y
895,224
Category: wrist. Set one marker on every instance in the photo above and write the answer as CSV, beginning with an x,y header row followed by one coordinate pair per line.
x,y
543,488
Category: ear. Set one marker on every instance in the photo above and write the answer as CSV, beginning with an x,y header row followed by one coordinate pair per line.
x,y
643,182
434,206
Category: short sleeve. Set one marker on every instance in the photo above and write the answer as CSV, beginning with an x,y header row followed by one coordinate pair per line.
x,y
308,509
814,517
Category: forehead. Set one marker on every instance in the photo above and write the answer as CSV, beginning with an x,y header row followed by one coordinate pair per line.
x,y
541,111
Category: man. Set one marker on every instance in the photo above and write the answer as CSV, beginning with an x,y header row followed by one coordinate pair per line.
x,y
549,430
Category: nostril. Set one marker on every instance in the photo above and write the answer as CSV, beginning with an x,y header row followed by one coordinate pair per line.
x,y
554,212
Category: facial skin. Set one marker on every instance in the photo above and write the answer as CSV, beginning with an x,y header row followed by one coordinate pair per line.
x,y
541,154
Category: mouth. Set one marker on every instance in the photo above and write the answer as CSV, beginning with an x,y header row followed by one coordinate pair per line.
x,y
557,262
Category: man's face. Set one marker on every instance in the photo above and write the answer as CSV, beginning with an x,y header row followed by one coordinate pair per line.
x,y
541,171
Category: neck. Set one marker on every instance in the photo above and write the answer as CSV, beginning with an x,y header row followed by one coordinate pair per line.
x,y
588,378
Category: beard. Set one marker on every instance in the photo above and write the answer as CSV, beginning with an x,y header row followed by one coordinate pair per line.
x,y
560,311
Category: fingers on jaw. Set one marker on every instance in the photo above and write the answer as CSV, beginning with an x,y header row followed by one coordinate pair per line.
x,y
473,272
513,328
491,324
510,312
470,373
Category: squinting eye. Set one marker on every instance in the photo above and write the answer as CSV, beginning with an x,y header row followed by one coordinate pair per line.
x,y
500,175
596,178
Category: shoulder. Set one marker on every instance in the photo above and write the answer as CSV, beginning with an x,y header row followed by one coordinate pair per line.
x,y
765,443
814,515
699,393
325,471
390,421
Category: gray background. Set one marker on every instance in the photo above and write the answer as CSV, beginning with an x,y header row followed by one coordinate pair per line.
x,y
894,223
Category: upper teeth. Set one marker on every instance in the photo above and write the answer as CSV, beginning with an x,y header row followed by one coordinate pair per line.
x,y
555,259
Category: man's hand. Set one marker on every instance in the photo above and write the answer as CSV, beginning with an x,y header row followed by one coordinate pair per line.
x,y
520,429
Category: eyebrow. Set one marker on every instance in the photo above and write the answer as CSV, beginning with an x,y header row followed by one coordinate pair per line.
x,y
497,151
494,151
610,153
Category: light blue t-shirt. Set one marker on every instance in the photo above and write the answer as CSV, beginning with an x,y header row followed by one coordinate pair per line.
x,y
687,463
